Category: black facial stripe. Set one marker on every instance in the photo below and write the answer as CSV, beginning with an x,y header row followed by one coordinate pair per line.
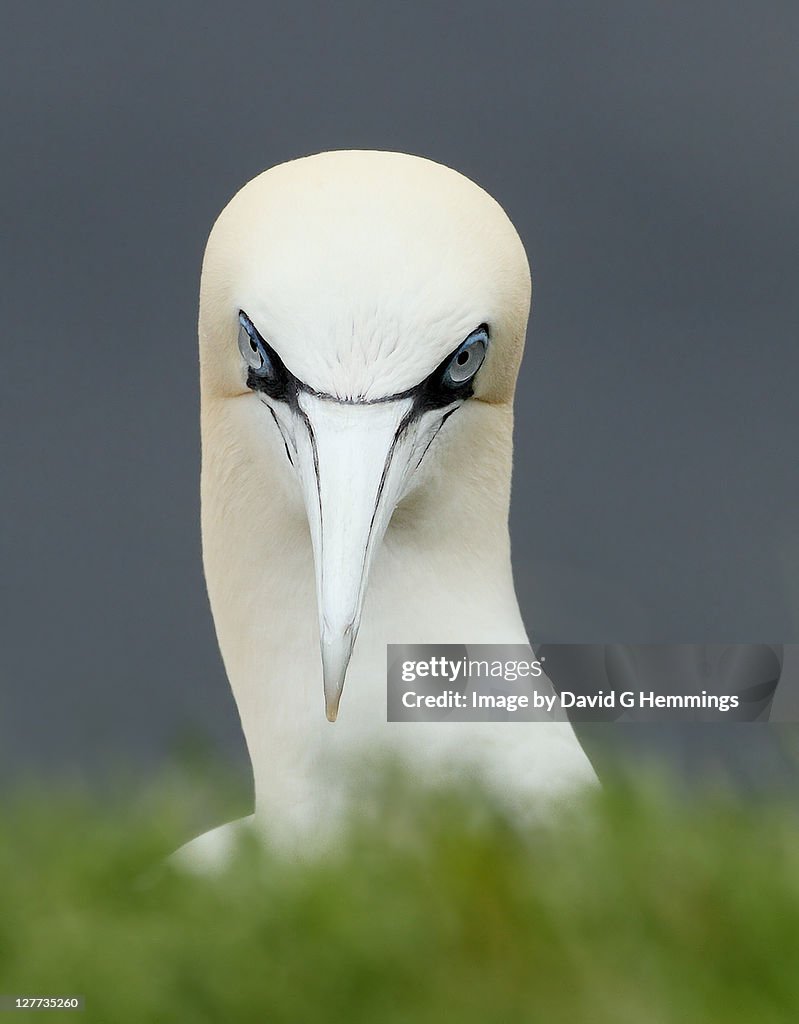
x,y
431,393
443,420
277,424
315,456
406,420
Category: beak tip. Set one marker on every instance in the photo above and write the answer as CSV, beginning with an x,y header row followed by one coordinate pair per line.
x,y
332,702
335,660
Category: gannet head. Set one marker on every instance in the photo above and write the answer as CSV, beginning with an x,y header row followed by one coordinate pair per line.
x,y
353,303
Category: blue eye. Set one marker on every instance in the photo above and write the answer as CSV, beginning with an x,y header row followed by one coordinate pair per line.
x,y
254,349
467,360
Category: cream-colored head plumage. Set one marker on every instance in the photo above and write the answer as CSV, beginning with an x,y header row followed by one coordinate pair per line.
x,y
356,276
364,270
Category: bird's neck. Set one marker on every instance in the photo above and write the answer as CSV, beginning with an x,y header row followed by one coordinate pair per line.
x,y
442,576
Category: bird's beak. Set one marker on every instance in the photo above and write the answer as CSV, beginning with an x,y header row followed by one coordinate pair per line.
x,y
353,461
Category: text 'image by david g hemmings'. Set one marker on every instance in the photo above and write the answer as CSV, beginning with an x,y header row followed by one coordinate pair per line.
x,y
591,682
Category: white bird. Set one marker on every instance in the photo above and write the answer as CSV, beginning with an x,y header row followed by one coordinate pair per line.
x,y
362,319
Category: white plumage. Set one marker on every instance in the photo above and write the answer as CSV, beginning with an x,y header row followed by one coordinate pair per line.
x,y
341,506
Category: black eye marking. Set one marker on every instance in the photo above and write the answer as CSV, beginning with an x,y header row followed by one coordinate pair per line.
x,y
266,371
450,384
452,379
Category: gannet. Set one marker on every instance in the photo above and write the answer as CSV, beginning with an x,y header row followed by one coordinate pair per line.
x,y
362,319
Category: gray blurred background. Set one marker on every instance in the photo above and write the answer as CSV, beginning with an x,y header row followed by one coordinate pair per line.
x,y
647,153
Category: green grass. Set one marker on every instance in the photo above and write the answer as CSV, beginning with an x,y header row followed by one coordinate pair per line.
x,y
634,908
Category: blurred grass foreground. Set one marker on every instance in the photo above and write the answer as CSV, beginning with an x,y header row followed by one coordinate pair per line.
x,y
634,907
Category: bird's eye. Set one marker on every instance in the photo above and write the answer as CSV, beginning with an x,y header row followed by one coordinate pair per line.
x,y
467,360
254,349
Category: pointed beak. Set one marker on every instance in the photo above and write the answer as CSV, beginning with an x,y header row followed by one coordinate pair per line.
x,y
354,461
